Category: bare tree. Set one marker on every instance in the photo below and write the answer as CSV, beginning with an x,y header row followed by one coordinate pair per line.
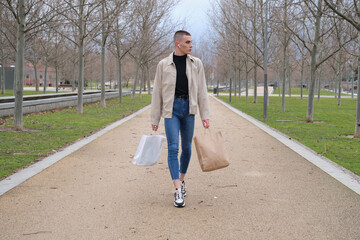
x,y
254,40
339,32
48,48
2,49
122,46
231,18
311,43
230,50
109,14
352,78
285,45
247,70
80,17
310,108
351,14
33,56
28,16
7,43
302,23
58,55
152,25
266,63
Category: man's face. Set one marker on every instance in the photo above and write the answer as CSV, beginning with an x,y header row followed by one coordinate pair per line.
x,y
185,44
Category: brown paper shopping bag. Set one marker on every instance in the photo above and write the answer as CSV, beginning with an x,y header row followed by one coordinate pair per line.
x,y
211,151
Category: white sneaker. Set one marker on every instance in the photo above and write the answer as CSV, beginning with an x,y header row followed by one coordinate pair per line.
x,y
178,198
183,189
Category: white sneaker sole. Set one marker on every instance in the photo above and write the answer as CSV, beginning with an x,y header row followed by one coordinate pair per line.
x,y
179,206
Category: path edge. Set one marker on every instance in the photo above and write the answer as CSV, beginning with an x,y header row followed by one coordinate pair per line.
x,y
341,174
19,177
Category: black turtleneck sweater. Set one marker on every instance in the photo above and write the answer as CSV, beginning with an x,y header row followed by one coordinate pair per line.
x,y
181,78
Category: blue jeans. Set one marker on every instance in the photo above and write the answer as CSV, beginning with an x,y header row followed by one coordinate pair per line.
x,y
182,122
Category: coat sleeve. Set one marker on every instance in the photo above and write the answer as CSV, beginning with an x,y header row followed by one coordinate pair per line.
x,y
203,100
156,99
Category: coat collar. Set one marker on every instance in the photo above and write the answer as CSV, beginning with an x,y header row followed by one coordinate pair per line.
x,y
189,59
170,58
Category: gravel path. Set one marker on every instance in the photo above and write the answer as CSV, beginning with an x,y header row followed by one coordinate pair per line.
x,y
267,192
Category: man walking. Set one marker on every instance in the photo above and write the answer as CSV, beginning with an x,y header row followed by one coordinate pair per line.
x,y
179,89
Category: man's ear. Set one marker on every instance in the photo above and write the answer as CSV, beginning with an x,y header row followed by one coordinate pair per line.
x,y
177,43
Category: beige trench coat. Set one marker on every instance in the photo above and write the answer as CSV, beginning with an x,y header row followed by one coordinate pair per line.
x,y
164,89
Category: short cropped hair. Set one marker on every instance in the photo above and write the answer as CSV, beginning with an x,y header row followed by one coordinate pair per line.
x,y
180,34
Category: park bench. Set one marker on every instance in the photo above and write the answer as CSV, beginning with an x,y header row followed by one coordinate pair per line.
x,y
63,86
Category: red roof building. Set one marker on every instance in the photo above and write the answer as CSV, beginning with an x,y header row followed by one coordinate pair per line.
x,y
29,75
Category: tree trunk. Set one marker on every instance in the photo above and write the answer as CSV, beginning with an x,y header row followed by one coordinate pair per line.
x,y
255,83
36,77
81,58
339,78
302,77
57,78
3,76
357,121
19,67
136,80
35,68
119,80
284,58
144,81
289,79
352,80
114,77
103,43
73,77
348,75
235,83
246,83
230,75
141,82
45,75
255,58
279,86
266,94
283,83
218,82
149,79
103,102
319,82
247,72
239,82
231,61
2,57
310,107
2,79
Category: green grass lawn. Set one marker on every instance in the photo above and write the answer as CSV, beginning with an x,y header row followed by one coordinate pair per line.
x,y
9,93
294,91
55,129
331,136
297,91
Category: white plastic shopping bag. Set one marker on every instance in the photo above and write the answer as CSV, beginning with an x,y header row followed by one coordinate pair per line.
x,y
149,150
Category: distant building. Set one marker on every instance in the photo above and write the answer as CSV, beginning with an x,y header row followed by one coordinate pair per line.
x,y
9,77
29,75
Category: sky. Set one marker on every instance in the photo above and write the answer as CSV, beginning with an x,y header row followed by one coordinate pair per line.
x,y
195,14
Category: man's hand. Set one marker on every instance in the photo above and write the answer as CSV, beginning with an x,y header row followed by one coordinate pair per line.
x,y
154,127
206,123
